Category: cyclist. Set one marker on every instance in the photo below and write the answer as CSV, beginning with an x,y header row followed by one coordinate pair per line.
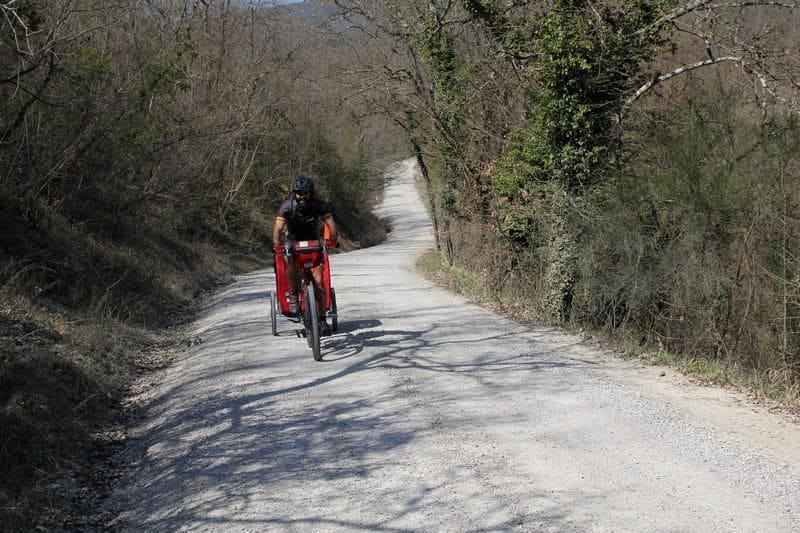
x,y
300,219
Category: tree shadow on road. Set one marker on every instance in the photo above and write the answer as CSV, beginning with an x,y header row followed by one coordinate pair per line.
x,y
222,435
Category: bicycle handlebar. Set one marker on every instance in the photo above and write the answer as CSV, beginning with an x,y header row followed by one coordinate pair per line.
x,y
290,246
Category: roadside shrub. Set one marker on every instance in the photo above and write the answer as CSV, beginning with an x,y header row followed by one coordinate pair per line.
x,y
692,245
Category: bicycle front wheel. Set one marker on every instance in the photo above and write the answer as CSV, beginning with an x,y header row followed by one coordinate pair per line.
x,y
273,312
333,313
312,326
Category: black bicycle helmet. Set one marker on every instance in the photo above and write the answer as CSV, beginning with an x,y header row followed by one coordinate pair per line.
x,y
303,183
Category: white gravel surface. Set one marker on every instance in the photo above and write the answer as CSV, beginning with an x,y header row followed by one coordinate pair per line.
x,y
431,414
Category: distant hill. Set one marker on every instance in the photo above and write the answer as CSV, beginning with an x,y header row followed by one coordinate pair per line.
x,y
309,10
318,14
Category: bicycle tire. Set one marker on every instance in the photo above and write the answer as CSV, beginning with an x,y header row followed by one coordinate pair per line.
x,y
304,314
333,313
312,329
273,312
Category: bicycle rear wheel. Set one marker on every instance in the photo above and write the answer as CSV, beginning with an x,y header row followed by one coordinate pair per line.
x,y
312,325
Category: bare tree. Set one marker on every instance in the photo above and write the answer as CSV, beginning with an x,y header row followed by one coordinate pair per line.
x,y
757,36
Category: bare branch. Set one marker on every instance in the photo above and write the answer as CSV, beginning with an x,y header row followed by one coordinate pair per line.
x,y
755,3
695,5
13,21
677,72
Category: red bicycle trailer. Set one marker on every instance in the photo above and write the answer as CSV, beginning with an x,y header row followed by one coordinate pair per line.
x,y
305,255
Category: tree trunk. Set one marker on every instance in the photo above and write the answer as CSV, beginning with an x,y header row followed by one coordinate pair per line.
x,y
423,167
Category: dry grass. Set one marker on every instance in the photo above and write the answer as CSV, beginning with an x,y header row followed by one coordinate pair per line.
x,y
67,357
61,377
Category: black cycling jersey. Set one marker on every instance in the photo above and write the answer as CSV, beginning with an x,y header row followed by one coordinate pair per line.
x,y
303,222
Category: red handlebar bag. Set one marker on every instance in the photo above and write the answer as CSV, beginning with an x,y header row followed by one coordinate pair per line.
x,y
305,258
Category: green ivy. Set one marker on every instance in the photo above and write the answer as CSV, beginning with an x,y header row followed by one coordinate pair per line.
x,y
449,78
587,61
89,67
438,51
510,37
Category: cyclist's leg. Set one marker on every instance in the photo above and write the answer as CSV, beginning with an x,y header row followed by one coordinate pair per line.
x,y
291,275
319,289
293,280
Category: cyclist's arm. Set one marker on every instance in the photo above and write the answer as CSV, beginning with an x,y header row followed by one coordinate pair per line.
x,y
277,233
330,223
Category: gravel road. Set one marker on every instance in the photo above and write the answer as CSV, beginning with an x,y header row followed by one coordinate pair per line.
x,y
431,414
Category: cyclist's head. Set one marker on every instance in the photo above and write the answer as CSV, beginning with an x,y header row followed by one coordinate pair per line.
x,y
303,189
303,184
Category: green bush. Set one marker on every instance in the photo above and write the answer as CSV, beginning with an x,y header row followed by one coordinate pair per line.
x,y
691,244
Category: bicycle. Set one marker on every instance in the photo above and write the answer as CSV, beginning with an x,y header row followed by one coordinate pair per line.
x,y
305,255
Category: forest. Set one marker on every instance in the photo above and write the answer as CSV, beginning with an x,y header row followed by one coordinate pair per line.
x,y
629,168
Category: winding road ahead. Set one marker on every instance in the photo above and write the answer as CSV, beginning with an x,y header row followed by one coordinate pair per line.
x,y
431,414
